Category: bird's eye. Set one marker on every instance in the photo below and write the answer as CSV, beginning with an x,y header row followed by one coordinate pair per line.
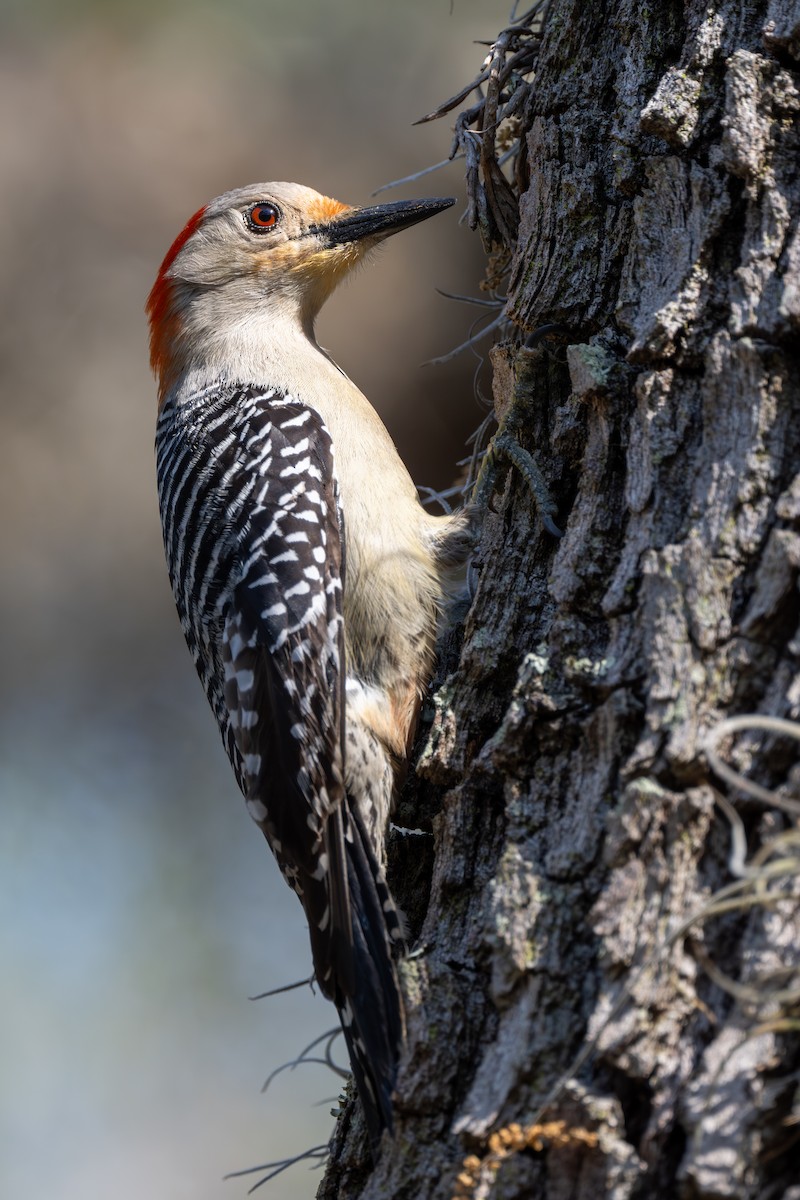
x,y
262,217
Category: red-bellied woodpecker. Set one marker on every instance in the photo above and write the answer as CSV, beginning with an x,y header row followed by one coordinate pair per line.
x,y
307,576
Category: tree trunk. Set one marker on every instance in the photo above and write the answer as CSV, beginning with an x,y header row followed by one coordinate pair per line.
x,y
569,1034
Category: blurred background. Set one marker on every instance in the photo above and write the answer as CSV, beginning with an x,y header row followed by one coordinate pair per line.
x,y
139,907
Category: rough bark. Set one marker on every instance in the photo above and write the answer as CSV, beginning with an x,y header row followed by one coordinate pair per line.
x,y
568,1036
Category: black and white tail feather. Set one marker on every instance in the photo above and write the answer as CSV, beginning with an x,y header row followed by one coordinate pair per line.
x,y
254,542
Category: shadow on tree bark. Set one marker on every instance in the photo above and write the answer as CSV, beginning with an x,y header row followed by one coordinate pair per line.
x,y
633,171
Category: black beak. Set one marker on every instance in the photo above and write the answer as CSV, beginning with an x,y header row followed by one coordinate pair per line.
x,y
380,221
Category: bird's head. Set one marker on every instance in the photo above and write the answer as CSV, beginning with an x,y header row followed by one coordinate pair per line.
x,y
257,258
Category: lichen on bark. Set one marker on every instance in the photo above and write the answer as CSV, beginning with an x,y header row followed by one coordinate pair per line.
x,y
569,1033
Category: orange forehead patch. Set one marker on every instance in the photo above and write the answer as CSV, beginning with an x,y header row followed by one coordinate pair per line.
x,y
325,209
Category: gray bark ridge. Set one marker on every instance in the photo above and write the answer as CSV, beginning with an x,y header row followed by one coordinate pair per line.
x,y
569,1033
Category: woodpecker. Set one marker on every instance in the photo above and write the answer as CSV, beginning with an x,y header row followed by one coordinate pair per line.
x,y
307,576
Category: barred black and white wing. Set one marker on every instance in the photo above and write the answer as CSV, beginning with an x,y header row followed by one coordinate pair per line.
x,y
253,536
284,672
253,532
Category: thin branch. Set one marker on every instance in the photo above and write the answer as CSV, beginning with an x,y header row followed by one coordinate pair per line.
x,y
477,337
277,1167
735,725
470,299
385,187
454,101
329,1037
287,987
